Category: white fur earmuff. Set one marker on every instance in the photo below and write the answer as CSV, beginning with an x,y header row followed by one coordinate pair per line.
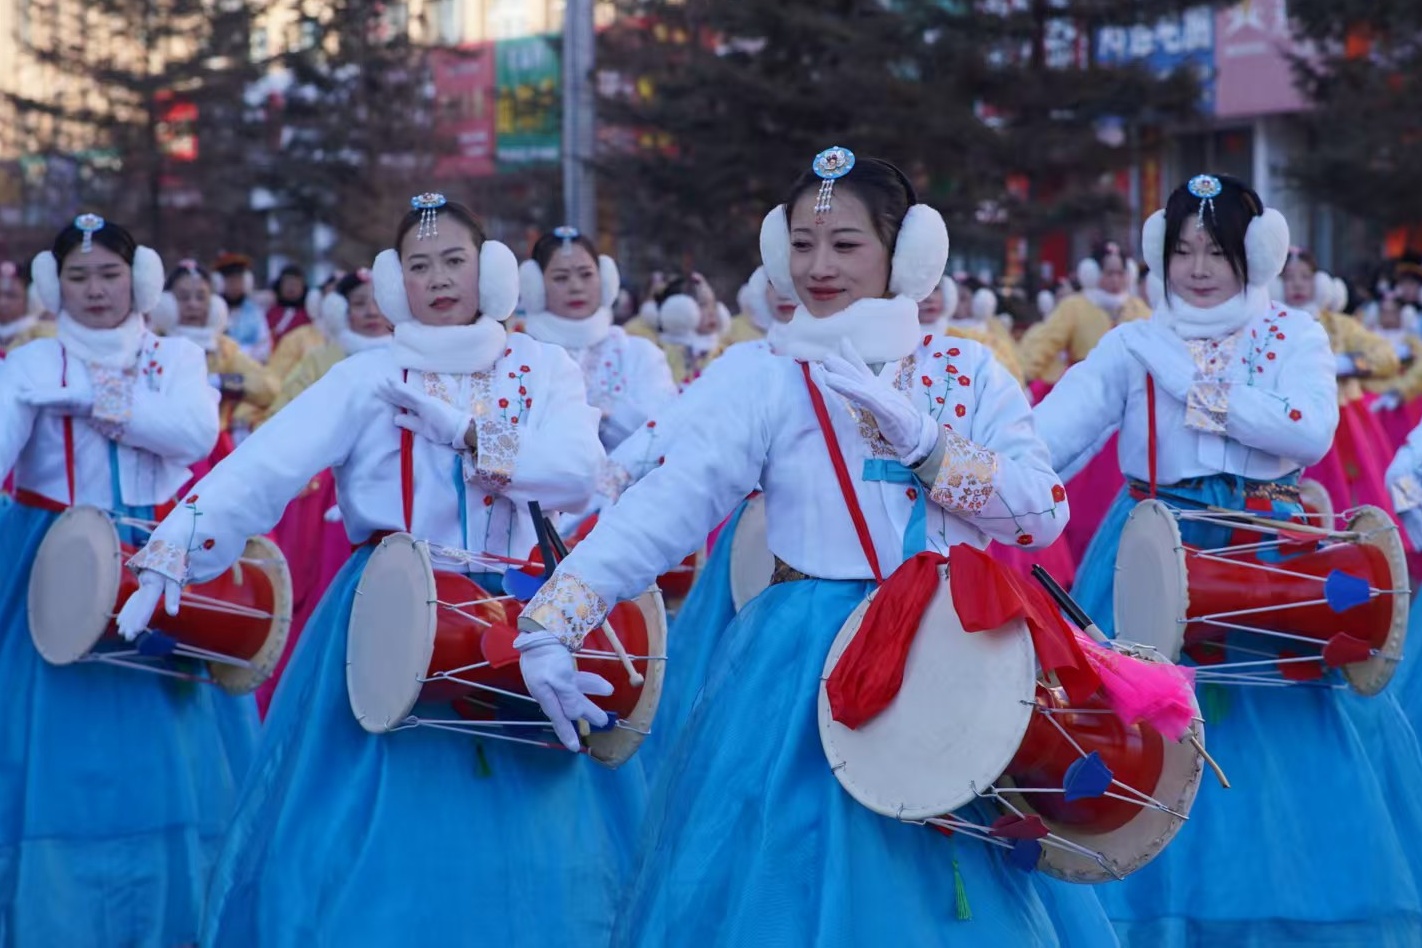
x,y
920,252
1046,302
147,279
1340,294
950,295
984,304
1088,273
678,315
1323,290
1266,245
335,314
498,283
163,318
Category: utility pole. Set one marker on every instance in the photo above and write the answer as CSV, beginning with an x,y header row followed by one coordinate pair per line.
x,y
579,117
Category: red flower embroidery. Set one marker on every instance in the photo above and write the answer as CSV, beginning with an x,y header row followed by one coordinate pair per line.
x,y
926,381
911,494
1272,356
952,370
1058,493
1025,540
1279,336
503,403
955,352
960,410
192,499
513,375
488,501
939,399
524,368
522,390
964,380
1295,415
1259,368
652,423
513,420
508,352
528,403
927,339
209,543
937,355
662,459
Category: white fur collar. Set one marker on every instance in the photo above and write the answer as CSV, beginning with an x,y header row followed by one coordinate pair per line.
x,y
881,330
449,349
1192,322
573,334
699,343
1110,302
14,327
204,337
115,348
936,328
353,342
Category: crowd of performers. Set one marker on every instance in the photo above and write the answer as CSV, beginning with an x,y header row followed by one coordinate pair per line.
x,y
351,508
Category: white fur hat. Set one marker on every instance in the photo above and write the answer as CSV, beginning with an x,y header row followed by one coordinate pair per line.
x,y
1266,245
920,252
533,292
498,283
147,279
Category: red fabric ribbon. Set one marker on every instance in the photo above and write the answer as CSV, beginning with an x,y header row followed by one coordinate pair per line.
x,y
987,595
871,670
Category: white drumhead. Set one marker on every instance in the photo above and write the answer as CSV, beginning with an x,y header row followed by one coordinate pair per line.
x,y
266,556
391,636
955,724
1152,595
1315,499
74,585
1378,529
752,563
616,747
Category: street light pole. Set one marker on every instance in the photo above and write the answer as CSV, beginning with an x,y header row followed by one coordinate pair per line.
x,y
579,117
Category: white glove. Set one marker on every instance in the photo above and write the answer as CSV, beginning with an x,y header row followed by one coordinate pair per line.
x,y
1387,401
552,678
1346,366
431,418
214,380
135,615
1172,369
910,432
332,514
76,398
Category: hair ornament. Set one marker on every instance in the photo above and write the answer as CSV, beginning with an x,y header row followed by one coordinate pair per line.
x,y
428,204
831,165
1206,187
88,225
567,234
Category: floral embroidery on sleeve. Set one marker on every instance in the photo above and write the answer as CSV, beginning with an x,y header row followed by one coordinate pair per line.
x,y
170,559
612,479
567,607
496,428
964,482
113,400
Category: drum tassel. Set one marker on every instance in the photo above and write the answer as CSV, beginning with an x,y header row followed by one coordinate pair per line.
x,y
962,909
1219,772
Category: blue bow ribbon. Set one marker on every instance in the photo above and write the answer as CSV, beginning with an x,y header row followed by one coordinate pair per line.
x,y
892,472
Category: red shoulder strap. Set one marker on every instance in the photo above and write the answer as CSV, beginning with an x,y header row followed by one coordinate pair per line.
x,y
407,469
68,425
841,472
1151,434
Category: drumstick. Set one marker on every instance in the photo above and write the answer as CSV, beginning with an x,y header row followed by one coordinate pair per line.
x,y
634,676
1283,526
540,526
1219,773
1069,605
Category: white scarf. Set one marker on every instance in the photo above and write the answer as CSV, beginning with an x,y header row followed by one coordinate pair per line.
x,y
699,343
204,337
353,342
14,327
1110,302
115,348
454,350
572,334
1215,322
938,327
881,330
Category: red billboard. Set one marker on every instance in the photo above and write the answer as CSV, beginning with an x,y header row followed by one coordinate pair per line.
x,y
465,109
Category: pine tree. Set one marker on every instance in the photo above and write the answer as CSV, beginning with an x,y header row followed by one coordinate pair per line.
x,y
1364,79
992,107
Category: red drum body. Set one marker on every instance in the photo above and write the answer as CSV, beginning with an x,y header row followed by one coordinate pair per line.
x,y
237,623
1295,601
1083,796
418,634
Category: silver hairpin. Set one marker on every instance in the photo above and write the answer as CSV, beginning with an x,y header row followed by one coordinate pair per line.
x,y
1206,187
428,204
831,165
88,225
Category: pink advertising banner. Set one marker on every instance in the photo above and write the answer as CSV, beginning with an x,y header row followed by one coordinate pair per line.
x,y
1253,73
464,93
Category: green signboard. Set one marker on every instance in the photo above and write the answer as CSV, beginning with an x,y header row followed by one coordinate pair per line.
x,y
528,81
